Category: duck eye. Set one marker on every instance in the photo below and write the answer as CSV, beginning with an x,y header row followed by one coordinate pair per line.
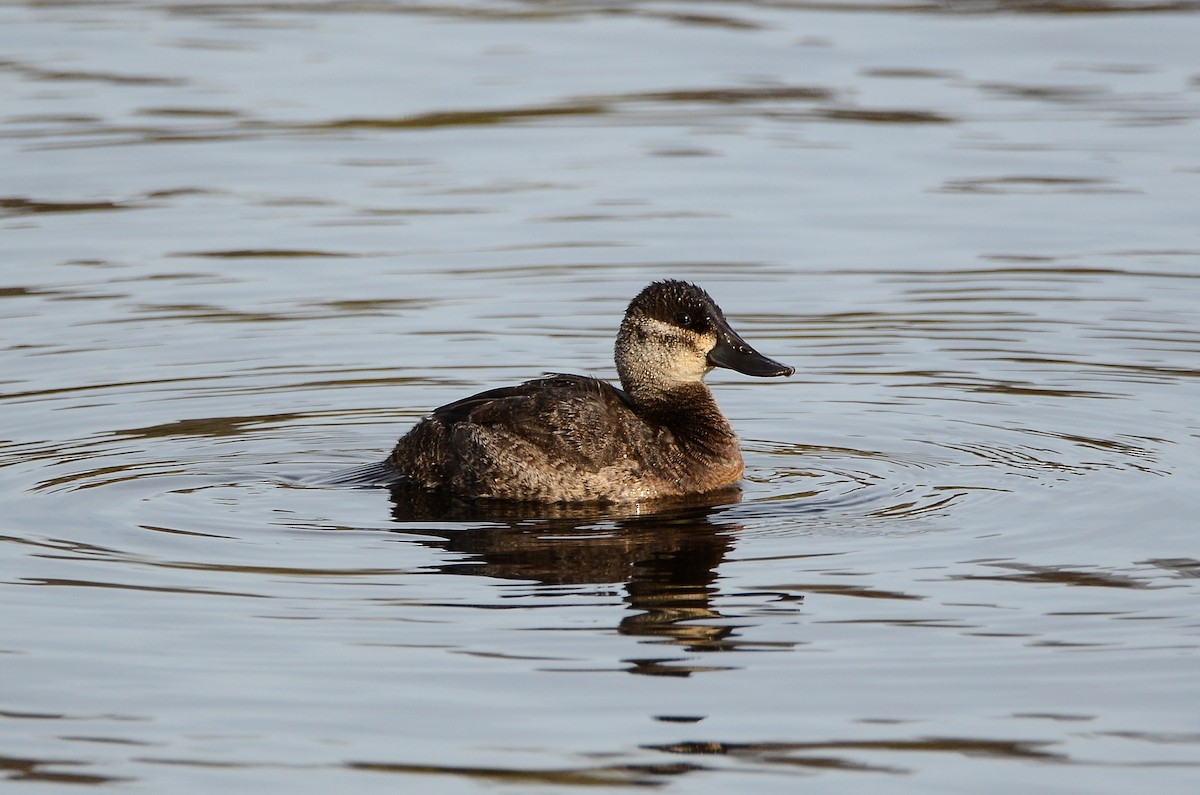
x,y
683,319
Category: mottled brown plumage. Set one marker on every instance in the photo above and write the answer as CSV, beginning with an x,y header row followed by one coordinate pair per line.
x,y
569,438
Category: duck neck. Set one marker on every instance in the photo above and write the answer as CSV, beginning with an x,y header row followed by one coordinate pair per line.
x,y
688,410
666,389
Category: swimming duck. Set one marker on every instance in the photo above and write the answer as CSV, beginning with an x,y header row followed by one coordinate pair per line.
x,y
573,439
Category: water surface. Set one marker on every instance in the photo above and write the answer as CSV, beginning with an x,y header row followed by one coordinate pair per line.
x,y
250,243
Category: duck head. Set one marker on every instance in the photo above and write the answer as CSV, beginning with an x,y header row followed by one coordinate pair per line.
x,y
674,333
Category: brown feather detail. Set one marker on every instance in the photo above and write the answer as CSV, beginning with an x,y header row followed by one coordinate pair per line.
x,y
566,439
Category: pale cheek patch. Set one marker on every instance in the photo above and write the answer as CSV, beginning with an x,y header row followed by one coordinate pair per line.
x,y
671,353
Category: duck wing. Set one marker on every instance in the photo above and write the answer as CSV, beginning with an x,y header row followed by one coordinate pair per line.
x,y
508,403
561,437
531,401
557,421
553,439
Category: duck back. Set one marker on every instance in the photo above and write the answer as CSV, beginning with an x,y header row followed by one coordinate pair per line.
x,y
563,438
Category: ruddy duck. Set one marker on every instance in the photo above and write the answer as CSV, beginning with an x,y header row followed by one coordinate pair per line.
x,y
574,439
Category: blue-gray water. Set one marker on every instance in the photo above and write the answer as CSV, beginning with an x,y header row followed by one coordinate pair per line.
x,y
248,243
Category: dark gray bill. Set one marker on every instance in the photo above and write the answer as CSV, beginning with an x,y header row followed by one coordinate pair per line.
x,y
735,353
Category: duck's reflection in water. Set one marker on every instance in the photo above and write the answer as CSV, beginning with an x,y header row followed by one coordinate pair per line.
x,y
667,559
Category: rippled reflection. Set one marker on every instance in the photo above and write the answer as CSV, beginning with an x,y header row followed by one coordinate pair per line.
x,y
819,755
667,560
